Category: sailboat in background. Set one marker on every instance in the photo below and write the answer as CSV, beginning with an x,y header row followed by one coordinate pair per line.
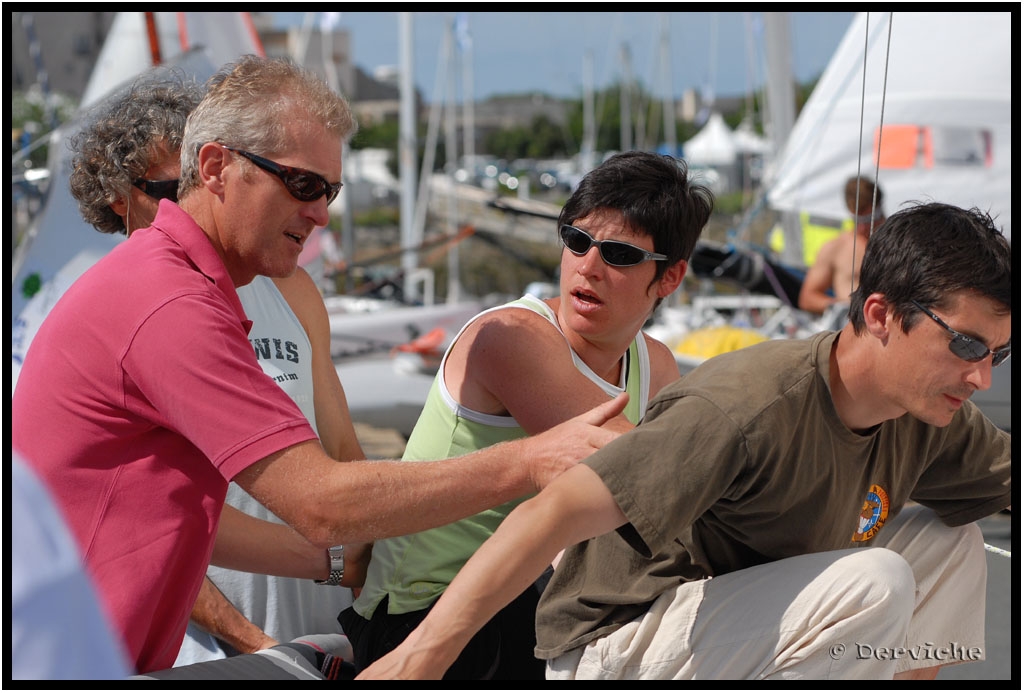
x,y
386,352
137,40
921,102
59,246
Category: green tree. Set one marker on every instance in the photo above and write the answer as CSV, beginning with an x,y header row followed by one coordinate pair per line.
x,y
380,135
33,119
646,116
545,138
542,138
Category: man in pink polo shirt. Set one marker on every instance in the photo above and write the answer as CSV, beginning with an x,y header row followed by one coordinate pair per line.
x,y
141,397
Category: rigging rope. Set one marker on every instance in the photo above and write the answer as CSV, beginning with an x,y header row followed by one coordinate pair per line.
x,y
860,141
998,551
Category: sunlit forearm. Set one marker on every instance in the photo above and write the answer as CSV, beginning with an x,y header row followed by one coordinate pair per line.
x,y
257,546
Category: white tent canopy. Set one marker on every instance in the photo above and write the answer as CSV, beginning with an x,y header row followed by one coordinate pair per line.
x,y
747,141
712,146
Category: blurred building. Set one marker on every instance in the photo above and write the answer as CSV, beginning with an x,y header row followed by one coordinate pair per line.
x,y
329,54
55,50
59,50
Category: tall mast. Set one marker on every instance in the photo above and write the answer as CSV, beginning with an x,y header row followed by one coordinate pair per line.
x,y
781,97
668,104
407,150
466,53
625,107
589,135
451,157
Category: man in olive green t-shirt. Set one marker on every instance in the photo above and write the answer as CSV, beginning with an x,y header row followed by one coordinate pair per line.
x,y
795,509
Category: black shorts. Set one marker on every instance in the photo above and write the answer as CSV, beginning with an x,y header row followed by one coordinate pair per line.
x,y
502,650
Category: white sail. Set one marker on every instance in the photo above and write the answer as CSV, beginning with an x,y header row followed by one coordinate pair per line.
x,y
938,86
222,36
939,89
59,245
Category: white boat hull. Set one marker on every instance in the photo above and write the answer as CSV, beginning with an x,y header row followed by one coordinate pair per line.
x,y
386,392
386,385
365,326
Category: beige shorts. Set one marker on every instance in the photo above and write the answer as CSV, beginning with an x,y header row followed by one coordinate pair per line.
x,y
916,599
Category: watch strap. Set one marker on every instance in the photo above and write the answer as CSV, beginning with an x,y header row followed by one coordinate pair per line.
x,y
336,559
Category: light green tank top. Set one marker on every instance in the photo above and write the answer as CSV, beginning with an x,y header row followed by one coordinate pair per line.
x,y
413,570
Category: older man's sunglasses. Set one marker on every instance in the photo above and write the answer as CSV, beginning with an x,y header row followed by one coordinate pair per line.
x,y
158,189
614,253
303,185
966,347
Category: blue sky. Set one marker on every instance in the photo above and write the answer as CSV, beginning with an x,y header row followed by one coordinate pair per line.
x,y
516,52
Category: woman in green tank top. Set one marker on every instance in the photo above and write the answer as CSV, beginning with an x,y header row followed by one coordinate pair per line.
x,y
519,369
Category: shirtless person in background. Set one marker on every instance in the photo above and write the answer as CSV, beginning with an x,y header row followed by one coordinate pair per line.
x,y
836,270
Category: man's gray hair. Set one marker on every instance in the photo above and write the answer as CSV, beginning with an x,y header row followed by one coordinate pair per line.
x,y
120,138
249,104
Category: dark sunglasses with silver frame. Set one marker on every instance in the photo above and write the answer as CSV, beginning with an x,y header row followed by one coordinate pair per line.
x,y
964,346
303,185
614,253
158,189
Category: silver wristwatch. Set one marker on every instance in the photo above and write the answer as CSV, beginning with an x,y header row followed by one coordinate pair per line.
x,y
336,555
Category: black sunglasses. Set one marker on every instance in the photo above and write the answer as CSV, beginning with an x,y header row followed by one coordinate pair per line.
x,y
158,189
614,253
965,347
302,184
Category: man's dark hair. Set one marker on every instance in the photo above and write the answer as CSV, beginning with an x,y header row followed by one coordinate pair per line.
x,y
929,252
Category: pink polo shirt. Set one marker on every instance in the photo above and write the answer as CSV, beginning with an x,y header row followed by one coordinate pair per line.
x,y
140,398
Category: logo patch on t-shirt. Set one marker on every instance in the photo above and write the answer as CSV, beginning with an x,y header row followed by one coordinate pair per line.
x,y
873,513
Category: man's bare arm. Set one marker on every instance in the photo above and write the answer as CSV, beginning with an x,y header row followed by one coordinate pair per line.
x,y
217,616
333,418
331,502
253,545
575,507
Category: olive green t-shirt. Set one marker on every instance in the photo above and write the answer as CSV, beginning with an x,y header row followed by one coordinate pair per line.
x,y
745,461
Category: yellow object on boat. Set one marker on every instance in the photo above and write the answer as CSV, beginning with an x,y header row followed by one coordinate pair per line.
x,y
815,231
712,341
